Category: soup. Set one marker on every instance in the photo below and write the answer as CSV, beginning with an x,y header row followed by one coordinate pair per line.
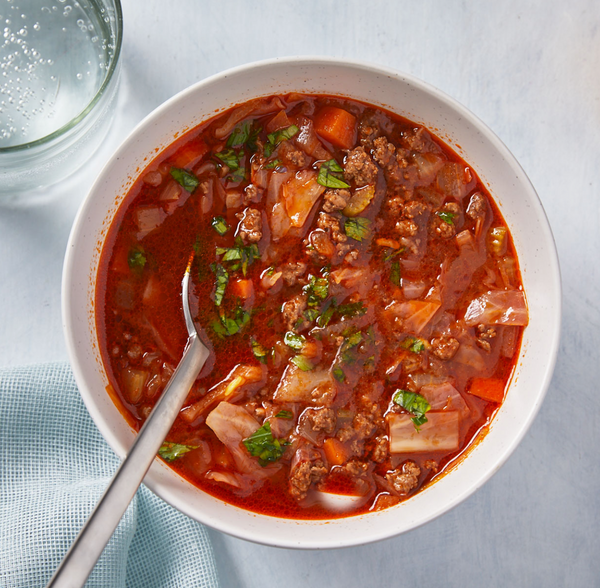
x,y
358,289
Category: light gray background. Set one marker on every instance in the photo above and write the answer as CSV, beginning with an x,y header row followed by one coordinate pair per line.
x,y
529,70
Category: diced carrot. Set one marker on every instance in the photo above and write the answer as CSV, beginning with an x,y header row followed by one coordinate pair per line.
x,y
388,243
335,451
242,288
120,262
337,126
190,153
279,121
489,389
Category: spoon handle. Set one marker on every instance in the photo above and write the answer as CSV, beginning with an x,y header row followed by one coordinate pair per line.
x,y
98,529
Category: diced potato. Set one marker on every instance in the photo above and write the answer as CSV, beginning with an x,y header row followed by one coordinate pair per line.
x,y
439,433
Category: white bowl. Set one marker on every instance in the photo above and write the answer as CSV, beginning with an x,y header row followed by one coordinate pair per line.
x,y
412,99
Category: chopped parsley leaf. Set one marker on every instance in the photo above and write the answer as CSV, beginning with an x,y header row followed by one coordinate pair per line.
x,y
395,277
284,414
331,174
338,374
310,314
245,254
353,340
230,158
391,253
272,164
136,259
171,451
220,225
245,134
222,279
317,290
259,351
447,217
263,445
294,341
327,313
414,403
357,228
227,326
278,136
302,362
352,309
185,178
413,344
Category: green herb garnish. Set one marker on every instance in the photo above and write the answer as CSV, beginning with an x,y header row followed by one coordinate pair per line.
x,y
220,225
317,290
227,326
395,277
413,344
351,341
302,362
357,228
391,253
338,374
272,164
185,178
352,309
294,341
261,444
278,136
245,254
171,451
230,158
310,314
331,175
284,414
136,259
414,403
245,134
327,313
259,351
222,279
447,217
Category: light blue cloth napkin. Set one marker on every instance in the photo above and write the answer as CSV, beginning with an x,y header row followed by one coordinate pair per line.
x,y
54,465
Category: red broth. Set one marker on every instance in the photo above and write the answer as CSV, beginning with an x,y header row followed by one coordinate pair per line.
x,y
358,289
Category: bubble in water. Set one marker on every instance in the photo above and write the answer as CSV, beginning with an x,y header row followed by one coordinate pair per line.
x,y
79,76
23,32
67,10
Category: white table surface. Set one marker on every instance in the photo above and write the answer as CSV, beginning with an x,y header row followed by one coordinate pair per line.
x,y
531,71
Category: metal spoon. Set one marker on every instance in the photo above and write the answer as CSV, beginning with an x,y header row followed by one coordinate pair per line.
x,y
93,537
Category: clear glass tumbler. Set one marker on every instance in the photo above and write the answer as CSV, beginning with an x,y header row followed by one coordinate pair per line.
x,y
59,74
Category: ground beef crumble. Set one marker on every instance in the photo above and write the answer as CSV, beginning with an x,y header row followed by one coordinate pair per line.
x,y
359,167
250,227
405,478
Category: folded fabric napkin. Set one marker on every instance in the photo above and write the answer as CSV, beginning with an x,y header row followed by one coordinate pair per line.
x,y
54,467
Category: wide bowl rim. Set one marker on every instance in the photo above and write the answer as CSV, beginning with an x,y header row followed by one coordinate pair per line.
x,y
371,535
